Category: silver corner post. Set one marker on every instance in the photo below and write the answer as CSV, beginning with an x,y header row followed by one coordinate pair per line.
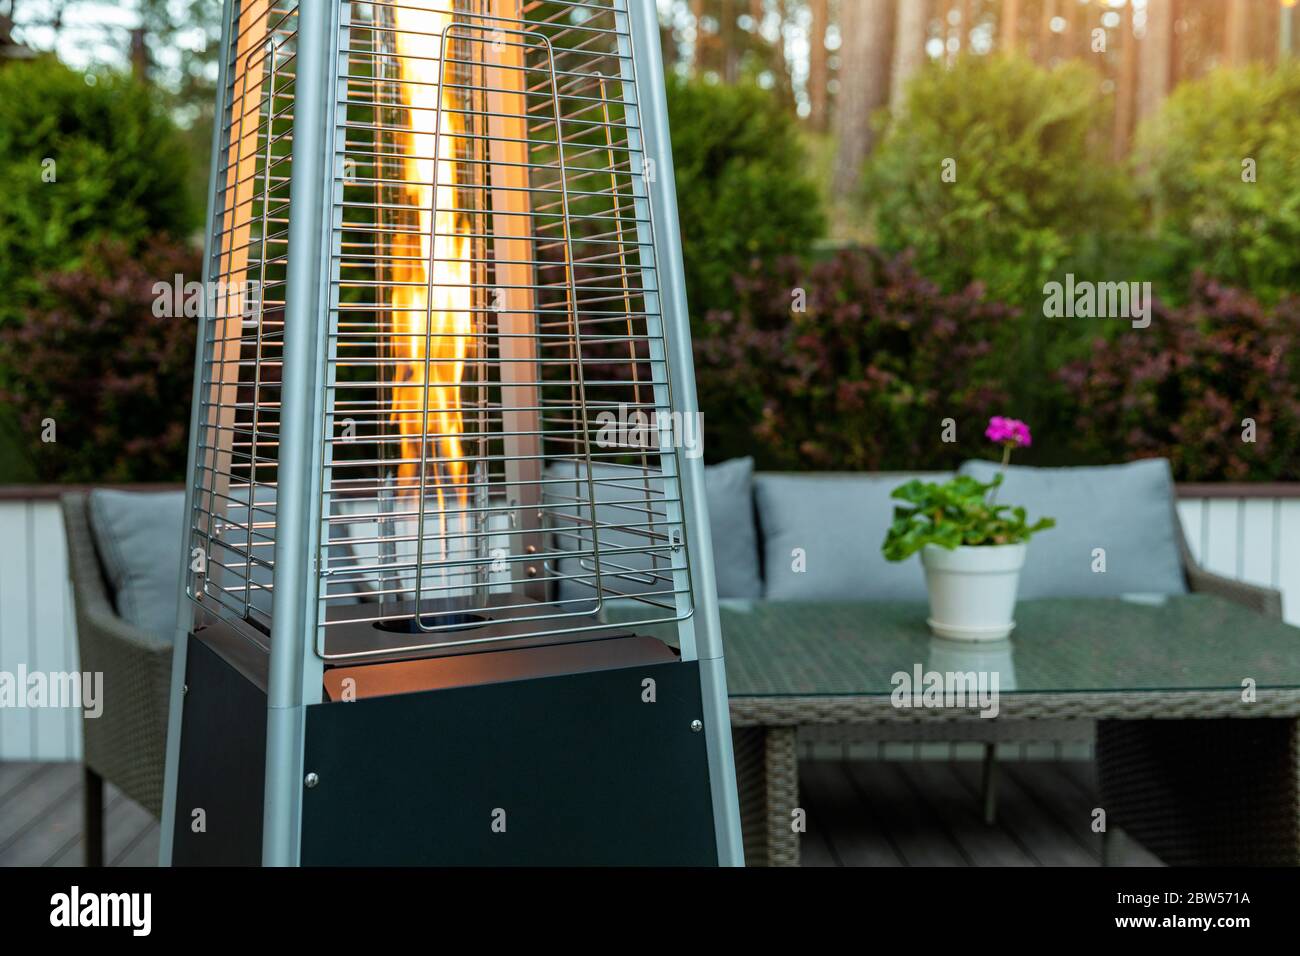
x,y
293,624
648,59
185,611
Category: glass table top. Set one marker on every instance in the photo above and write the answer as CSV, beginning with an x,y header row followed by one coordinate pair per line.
x,y
1178,643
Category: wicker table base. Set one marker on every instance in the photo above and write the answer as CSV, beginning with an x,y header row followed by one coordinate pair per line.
x,y
1205,792
1193,786
767,776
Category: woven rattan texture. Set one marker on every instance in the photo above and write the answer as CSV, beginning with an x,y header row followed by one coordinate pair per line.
x,y
1189,643
126,744
1208,792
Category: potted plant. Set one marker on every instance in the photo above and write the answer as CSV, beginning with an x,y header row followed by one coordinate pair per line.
x,y
972,548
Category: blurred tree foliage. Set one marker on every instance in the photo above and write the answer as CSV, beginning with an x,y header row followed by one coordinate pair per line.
x,y
1032,193
1213,136
82,158
743,189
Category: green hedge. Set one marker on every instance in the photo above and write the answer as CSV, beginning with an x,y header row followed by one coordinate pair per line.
x,y
1208,218
1034,192
743,188
120,172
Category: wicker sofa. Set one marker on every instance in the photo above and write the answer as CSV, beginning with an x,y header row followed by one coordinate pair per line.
x,y
126,745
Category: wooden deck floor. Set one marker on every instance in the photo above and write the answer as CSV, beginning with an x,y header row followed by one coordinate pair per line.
x,y
929,813
41,820
860,813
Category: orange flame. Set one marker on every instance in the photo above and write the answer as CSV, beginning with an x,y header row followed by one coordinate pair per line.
x,y
449,317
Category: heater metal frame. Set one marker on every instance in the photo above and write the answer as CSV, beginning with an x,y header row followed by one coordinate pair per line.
x,y
296,665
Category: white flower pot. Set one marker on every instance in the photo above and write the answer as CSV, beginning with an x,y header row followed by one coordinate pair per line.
x,y
973,590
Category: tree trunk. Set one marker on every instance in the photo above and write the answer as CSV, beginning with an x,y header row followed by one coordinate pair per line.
x,y
1010,25
139,55
1157,58
951,32
818,73
1236,34
1124,84
697,47
782,67
864,84
1046,38
1078,36
669,45
909,48
730,52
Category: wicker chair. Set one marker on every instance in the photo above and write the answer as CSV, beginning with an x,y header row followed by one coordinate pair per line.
x,y
126,745
1150,770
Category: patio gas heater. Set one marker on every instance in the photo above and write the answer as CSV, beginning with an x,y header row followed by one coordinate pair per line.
x,y
438,612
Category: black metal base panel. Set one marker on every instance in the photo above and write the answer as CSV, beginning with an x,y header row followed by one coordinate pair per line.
x,y
578,769
222,765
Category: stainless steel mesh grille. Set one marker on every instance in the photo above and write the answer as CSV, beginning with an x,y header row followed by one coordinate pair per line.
x,y
495,462
233,544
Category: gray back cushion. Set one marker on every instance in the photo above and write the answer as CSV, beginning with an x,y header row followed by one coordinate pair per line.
x,y
839,521
730,490
728,487
624,495
1126,509
341,553
138,536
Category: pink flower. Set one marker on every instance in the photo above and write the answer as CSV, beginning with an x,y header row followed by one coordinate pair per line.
x,y
1008,431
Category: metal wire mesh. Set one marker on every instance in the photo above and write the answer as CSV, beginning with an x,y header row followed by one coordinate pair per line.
x,y
495,458
232,521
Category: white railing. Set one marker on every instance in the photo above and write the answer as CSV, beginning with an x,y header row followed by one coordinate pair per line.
x,y
1248,533
1245,532
38,630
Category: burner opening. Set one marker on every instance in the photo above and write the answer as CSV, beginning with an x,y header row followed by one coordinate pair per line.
x,y
444,620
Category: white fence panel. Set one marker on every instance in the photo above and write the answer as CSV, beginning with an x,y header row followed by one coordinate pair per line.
x,y
37,626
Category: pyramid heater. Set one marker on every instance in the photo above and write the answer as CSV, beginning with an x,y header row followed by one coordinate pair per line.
x,y
436,610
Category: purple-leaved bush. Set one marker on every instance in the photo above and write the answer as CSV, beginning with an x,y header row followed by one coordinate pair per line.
x,y
862,379
1183,388
114,377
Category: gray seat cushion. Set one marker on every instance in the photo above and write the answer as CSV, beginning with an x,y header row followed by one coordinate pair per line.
x,y
1126,509
138,537
839,522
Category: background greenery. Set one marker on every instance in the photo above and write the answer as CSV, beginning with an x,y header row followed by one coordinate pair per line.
x,y
1206,217
743,191
934,313
1034,193
122,174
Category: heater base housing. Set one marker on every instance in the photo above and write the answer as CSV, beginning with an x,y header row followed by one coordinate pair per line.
x,y
598,766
